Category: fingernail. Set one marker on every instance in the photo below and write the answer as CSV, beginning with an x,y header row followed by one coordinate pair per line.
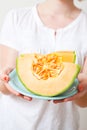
x,y
6,78
80,88
55,101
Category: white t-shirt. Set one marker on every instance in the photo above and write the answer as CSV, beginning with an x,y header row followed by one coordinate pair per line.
x,y
24,31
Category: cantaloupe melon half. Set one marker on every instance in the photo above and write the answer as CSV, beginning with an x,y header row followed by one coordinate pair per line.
x,y
46,75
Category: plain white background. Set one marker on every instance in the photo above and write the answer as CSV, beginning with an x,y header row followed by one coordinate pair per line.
x,y
6,5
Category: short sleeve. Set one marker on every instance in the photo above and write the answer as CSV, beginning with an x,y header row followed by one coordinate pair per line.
x,y
8,35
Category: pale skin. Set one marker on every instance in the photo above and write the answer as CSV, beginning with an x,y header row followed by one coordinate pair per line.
x,y
63,12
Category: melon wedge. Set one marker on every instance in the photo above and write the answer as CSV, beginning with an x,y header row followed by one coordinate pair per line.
x,y
46,75
67,56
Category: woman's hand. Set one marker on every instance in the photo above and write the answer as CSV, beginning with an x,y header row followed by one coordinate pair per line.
x,y
4,86
81,96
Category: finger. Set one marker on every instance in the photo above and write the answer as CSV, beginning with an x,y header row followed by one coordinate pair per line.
x,y
76,96
3,89
58,101
27,98
4,74
11,90
71,98
7,70
80,88
4,77
17,93
82,77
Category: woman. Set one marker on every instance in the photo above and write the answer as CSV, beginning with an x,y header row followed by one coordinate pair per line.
x,y
49,26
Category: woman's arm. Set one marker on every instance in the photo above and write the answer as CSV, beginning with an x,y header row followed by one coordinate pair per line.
x,y
7,60
7,57
82,100
7,64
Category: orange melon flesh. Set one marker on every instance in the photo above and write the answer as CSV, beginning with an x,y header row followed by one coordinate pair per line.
x,y
51,86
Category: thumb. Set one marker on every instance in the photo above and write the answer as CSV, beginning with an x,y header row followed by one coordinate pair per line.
x,y
82,77
4,74
7,70
4,77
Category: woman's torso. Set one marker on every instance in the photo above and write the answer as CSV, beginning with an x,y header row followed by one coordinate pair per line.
x,y
33,36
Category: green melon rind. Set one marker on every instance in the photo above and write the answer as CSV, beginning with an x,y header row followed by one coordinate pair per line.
x,y
62,91
73,79
74,57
